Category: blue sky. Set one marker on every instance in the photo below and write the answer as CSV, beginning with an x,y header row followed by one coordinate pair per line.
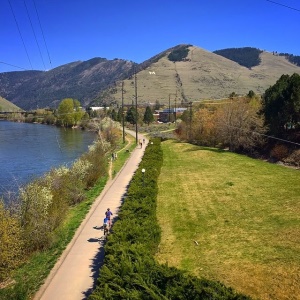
x,y
137,30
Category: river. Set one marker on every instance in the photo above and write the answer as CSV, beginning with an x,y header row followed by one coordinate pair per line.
x,y
29,150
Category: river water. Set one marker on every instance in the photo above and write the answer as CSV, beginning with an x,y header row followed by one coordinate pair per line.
x,y
27,151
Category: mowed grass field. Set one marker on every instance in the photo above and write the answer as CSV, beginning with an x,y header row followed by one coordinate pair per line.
x,y
230,218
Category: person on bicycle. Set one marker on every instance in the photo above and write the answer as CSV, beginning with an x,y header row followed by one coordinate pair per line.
x,y
108,215
105,225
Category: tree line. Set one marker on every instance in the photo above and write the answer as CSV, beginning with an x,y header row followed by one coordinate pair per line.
x,y
259,126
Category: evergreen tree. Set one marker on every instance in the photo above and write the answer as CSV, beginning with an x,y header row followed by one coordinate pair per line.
x,y
148,116
131,115
114,115
281,104
120,115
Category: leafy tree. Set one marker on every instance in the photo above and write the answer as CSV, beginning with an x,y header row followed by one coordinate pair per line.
x,y
148,116
69,112
281,105
239,126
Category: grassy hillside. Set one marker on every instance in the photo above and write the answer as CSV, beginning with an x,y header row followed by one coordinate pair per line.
x,y
7,106
243,214
202,75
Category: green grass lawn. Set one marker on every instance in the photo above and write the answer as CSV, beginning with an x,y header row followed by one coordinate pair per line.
x,y
243,213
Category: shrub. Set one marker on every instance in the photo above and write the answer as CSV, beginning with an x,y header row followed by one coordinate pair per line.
x,y
293,159
11,242
36,199
279,152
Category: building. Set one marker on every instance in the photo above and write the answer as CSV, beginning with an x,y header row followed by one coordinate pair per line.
x,y
168,114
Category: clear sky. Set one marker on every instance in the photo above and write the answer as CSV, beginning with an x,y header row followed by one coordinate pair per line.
x,y
138,29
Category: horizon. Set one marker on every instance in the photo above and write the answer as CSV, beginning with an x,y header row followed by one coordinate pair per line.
x,y
42,35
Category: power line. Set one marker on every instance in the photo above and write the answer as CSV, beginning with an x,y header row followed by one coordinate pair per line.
x,y
42,33
34,34
296,9
2,62
20,34
262,134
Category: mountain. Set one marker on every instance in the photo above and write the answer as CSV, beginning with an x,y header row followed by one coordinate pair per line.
x,y
8,106
187,71
79,80
200,75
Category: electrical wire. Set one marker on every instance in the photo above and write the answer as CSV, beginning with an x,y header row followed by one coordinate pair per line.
x,y
34,34
2,62
296,9
262,134
42,33
20,34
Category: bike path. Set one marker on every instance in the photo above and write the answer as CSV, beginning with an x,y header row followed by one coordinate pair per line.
x,y
74,275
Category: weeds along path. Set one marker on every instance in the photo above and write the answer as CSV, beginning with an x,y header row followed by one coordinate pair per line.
x,y
74,275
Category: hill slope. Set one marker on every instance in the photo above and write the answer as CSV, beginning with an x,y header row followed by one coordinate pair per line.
x,y
80,80
194,75
203,75
8,106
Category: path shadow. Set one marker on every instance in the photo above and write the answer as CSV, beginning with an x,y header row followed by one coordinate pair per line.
x,y
96,264
98,227
93,240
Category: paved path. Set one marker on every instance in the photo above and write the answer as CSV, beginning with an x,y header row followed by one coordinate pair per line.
x,y
75,274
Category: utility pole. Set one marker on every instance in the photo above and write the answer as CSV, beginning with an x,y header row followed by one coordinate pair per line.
x,y
136,112
191,115
175,106
123,123
169,106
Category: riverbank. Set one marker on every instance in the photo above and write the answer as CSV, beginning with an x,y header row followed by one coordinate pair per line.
x,y
77,187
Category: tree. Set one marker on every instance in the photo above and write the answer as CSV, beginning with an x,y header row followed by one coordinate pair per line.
x,y
114,115
281,105
251,94
131,115
120,115
157,105
69,112
233,95
148,116
239,126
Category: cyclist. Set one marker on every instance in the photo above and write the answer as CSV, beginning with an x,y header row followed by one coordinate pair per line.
x,y
108,215
105,226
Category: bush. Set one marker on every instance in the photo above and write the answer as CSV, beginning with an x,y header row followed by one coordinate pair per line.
x,y
279,152
293,159
11,242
